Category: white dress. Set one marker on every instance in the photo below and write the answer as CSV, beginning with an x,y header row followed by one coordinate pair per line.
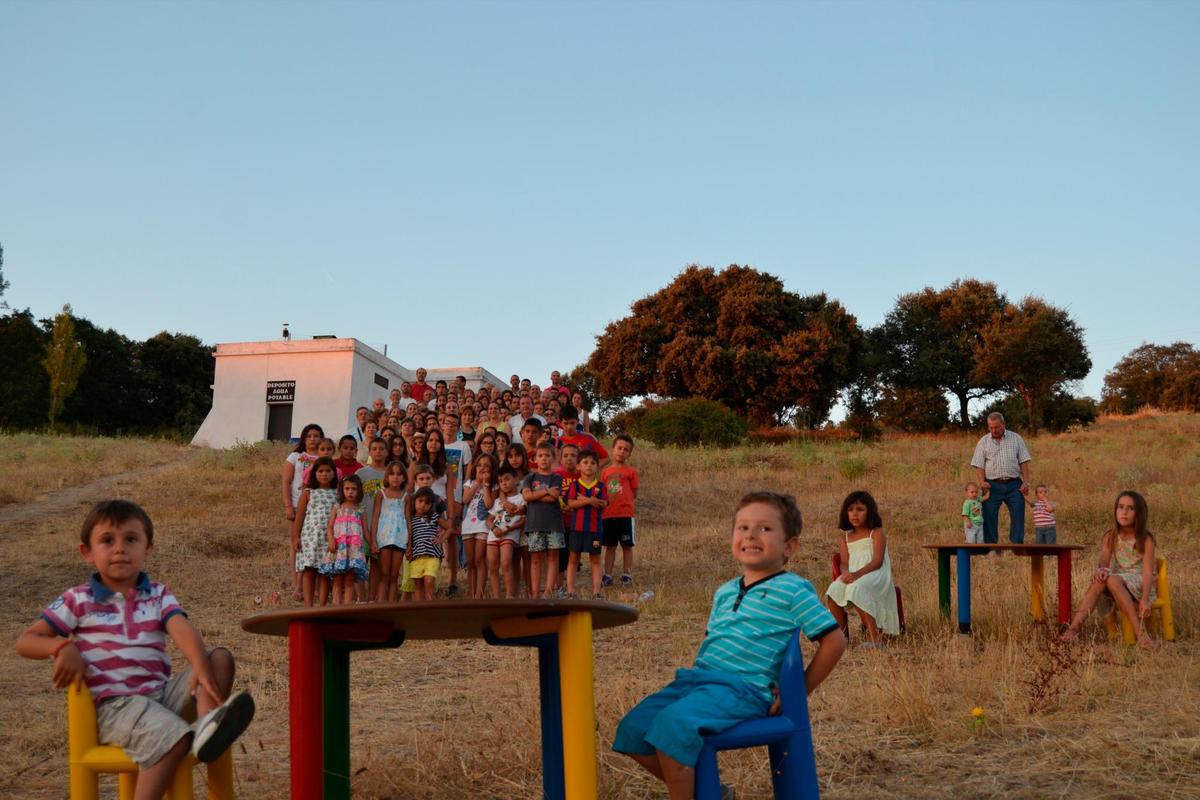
x,y
874,593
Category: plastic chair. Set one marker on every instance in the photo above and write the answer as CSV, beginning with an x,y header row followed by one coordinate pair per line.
x,y
788,738
87,759
1161,606
837,570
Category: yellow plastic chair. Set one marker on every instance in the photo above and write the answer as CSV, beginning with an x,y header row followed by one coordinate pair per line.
x,y
1161,606
88,759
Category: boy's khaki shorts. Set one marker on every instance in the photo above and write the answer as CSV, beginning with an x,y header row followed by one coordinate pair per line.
x,y
146,726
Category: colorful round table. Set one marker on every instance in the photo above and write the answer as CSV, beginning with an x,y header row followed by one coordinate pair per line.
x,y
320,641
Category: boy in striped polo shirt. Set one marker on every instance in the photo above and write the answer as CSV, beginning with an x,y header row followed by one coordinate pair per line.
x,y
752,621
111,634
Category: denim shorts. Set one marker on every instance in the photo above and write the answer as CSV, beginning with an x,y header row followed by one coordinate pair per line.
x,y
675,719
1048,535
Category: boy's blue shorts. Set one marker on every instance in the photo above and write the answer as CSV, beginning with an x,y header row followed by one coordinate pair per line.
x,y
675,719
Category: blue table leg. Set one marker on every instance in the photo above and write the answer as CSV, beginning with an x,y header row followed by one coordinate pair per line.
x,y
553,780
963,561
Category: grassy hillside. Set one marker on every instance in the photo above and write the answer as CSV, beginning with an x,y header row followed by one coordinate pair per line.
x,y
460,719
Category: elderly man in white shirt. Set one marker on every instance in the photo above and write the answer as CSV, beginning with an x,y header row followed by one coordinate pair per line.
x,y
1001,461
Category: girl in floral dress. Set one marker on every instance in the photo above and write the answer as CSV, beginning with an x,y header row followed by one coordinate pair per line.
x,y
346,537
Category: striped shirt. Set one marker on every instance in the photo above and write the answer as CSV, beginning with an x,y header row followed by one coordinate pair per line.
x,y
422,538
586,519
750,626
1043,514
1001,460
122,638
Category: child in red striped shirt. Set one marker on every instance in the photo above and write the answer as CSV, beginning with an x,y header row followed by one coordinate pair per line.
x,y
111,634
1045,527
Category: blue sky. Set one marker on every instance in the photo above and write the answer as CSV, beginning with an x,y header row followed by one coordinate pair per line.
x,y
413,174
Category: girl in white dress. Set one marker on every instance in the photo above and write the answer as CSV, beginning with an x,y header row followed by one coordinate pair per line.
x,y
866,584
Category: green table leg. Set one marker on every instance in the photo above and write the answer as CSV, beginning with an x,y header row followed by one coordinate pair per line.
x,y
944,581
337,721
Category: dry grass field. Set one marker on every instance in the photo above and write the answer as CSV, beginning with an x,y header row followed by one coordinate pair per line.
x,y
459,720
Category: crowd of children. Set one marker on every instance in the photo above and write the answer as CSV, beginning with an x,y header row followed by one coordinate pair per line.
x,y
506,485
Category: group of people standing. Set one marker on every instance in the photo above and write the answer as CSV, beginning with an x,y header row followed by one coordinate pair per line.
x,y
505,484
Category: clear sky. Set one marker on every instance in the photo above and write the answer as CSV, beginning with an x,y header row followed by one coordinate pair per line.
x,y
492,183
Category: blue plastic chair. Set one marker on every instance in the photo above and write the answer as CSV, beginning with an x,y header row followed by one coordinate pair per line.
x,y
788,738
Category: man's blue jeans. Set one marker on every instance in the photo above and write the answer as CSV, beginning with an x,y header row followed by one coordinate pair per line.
x,y
1008,493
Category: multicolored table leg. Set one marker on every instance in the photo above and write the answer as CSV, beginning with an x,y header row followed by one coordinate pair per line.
x,y
1064,587
306,665
943,557
573,633
964,589
1037,589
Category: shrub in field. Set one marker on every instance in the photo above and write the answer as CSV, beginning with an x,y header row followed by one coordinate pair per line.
x,y
693,421
852,468
1056,413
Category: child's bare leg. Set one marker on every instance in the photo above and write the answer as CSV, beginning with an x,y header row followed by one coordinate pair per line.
x,y
594,562
610,560
452,557
650,763
680,780
478,556
323,589
510,574
1090,598
493,568
220,661
526,565
1129,607
374,576
551,571
152,782
536,568
572,565
309,584
427,583
873,633
626,559
840,615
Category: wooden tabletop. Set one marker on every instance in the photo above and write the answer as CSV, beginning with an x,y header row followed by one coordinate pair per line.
x,y
442,619
1029,549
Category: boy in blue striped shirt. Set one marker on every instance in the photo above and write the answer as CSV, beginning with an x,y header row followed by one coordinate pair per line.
x,y
752,621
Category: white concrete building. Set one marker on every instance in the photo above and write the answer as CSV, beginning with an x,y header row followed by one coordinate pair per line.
x,y
271,390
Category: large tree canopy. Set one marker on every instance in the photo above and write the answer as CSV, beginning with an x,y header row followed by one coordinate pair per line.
x,y
1032,349
930,339
736,336
1153,375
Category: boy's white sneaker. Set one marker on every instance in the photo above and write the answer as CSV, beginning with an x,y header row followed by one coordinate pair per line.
x,y
219,728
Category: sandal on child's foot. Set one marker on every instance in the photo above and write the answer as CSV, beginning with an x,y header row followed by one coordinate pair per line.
x,y
626,579
606,580
219,728
727,793
598,596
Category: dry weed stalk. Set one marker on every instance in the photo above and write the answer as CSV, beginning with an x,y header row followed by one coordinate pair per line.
x,y
1054,669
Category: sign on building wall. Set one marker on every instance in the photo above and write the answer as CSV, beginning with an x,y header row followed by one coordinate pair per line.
x,y
281,391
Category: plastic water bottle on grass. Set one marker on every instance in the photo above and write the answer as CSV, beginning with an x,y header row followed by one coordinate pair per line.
x,y
646,596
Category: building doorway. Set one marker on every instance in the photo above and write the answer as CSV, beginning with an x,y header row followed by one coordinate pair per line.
x,y
279,422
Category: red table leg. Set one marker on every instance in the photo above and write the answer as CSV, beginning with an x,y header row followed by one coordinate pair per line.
x,y
1064,587
305,710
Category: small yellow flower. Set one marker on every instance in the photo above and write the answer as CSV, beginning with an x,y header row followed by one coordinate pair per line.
x,y
977,712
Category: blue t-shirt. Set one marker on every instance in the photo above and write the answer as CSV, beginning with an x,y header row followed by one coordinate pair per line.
x,y
540,515
750,627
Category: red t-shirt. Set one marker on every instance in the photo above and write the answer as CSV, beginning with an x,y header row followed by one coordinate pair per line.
x,y
585,441
348,467
622,484
421,392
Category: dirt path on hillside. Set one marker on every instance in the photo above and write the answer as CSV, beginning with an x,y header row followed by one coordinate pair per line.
x,y
74,497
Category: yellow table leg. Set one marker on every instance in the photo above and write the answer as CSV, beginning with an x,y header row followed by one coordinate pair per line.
x,y
578,706
1037,589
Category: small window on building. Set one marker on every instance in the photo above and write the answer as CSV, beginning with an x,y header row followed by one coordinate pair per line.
x,y
381,381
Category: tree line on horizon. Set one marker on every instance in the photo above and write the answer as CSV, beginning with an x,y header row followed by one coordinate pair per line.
x,y
735,336
778,358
